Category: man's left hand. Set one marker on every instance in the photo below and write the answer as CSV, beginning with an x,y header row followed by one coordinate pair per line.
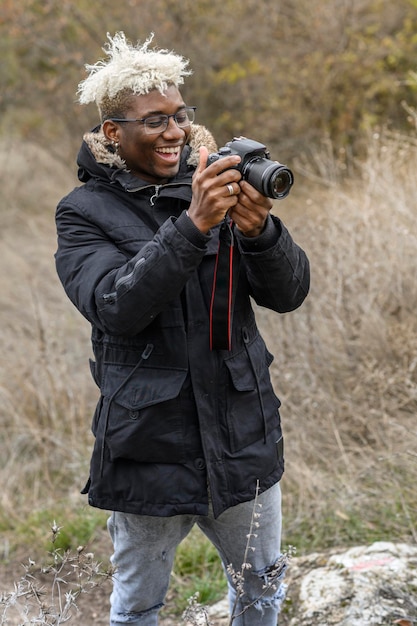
x,y
251,211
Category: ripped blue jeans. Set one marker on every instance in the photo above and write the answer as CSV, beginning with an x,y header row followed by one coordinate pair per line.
x,y
144,551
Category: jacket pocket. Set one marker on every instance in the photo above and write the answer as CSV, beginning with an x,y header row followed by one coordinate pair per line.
x,y
144,421
153,434
252,408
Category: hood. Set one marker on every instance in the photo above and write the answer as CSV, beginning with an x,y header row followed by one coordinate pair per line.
x,y
98,159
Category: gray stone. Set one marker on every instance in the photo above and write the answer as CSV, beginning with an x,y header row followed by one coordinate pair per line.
x,y
372,585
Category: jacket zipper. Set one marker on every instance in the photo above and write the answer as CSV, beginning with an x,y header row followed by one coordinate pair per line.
x,y
155,195
157,189
128,277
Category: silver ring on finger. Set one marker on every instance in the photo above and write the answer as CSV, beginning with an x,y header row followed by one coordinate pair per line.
x,y
231,190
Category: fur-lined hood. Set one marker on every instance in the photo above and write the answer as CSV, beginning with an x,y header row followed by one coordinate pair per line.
x,y
104,152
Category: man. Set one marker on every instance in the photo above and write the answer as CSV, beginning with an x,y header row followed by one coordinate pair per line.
x,y
185,433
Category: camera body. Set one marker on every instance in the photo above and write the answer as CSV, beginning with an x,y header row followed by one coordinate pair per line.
x,y
270,178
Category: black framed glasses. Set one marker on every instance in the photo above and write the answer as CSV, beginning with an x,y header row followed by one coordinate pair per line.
x,y
159,123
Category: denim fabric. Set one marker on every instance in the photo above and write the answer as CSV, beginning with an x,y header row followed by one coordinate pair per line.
x,y
144,551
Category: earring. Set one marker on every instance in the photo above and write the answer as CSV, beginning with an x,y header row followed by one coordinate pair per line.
x,y
116,145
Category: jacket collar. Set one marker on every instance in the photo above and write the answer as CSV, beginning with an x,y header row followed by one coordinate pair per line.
x,y
98,158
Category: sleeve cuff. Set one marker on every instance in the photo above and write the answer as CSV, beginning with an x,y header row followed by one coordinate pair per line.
x,y
188,229
267,239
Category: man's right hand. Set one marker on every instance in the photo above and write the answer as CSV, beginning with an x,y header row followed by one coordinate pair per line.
x,y
215,189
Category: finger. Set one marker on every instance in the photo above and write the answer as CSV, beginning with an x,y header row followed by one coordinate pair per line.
x,y
202,163
249,195
225,164
232,189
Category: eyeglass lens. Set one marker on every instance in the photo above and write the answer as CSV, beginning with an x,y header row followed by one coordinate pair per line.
x,y
157,123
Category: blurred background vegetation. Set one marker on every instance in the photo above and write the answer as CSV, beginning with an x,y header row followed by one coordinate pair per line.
x,y
285,73
330,87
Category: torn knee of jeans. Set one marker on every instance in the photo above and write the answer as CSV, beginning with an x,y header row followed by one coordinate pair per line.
x,y
129,617
273,589
273,574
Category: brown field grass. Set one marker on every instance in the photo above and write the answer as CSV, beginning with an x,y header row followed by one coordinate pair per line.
x,y
345,363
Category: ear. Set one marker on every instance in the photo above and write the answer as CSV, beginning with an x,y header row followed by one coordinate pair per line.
x,y
111,130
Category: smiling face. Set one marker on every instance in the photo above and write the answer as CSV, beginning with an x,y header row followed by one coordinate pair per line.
x,y
154,158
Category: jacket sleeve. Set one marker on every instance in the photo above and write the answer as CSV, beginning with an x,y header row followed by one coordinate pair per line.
x,y
117,294
277,269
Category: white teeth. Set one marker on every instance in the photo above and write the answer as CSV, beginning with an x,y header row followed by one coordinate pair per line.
x,y
168,150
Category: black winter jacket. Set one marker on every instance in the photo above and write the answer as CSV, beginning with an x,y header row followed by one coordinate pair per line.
x,y
173,418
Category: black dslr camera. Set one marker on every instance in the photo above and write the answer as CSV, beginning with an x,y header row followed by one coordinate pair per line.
x,y
270,178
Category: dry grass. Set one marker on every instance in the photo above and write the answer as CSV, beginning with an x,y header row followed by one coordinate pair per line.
x,y
346,361
46,394
345,366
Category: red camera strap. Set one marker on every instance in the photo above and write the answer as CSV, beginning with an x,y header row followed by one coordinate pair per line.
x,y
224,284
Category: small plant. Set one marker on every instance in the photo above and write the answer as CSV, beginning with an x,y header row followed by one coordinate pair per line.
x,y
47,595
195,614
275,572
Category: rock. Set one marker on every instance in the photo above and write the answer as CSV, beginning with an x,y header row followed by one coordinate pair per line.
x,y
219,612
372,585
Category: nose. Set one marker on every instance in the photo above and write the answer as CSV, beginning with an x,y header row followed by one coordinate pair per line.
x,y
173,130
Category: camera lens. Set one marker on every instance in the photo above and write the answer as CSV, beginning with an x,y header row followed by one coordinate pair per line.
x,y
270,178
280,183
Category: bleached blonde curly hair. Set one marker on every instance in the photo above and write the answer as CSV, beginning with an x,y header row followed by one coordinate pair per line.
x,y
129,71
